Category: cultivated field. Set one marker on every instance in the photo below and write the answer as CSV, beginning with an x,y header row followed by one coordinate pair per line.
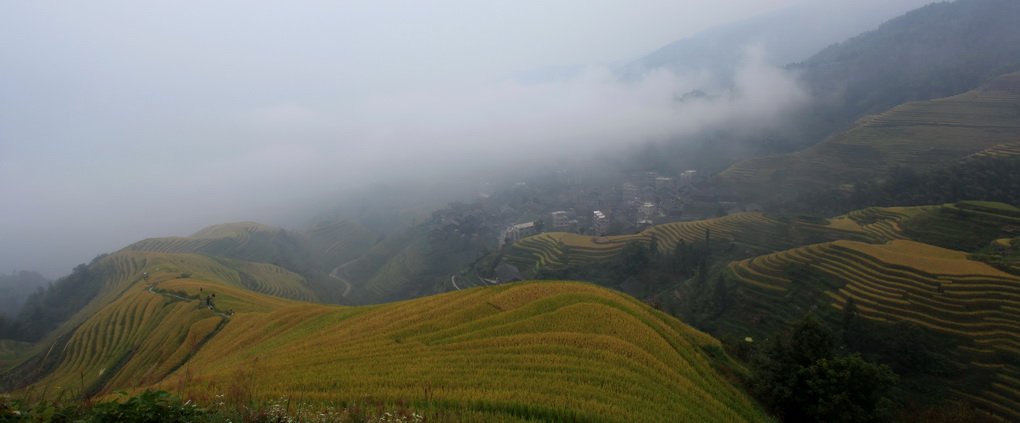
x,y
933,287
519,352
745,233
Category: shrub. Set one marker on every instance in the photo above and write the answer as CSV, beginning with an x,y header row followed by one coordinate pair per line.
x,y
148,407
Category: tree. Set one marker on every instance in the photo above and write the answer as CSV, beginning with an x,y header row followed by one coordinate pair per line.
x,y
635,257
801,379
720,296
843,389
811,341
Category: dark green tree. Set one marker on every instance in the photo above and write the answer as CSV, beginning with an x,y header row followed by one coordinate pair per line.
x,y
801,380
843,389
635,257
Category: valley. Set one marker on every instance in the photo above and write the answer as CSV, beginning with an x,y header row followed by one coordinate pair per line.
x,y
853,255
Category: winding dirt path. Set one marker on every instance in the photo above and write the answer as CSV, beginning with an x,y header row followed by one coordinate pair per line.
x,y
347,285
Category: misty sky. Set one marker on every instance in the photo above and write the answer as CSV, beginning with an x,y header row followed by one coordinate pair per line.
x,y
126,120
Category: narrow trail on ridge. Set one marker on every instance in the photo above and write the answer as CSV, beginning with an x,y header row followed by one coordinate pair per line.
x,y
152,290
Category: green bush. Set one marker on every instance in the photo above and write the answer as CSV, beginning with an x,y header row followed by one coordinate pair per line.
x,y
148,407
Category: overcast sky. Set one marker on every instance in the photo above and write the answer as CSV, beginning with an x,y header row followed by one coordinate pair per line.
x,y
122,120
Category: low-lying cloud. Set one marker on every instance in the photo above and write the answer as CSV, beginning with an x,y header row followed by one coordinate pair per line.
x,y
428,130
168,162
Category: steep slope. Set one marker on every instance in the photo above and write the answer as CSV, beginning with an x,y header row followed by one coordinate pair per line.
x,y
919,135
520,352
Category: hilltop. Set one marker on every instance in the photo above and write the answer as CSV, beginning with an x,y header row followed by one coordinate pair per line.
x,y
520,352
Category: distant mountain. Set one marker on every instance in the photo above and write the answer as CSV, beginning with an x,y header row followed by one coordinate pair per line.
x,y
921,134
939,50
935,51
788,35
16,287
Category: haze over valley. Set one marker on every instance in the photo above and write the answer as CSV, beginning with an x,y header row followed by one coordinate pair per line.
x,y
267,112
782,210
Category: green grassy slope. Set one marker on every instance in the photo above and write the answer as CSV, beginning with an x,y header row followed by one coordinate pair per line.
x,y
920,135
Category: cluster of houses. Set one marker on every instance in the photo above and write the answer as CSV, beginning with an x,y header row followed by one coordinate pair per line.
x,y
564,203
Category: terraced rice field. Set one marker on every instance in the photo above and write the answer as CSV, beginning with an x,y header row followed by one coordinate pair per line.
x,y
558,249
257,277
753,233
1002,150
903,280
920,134
517,352
537,351
885,223
151,318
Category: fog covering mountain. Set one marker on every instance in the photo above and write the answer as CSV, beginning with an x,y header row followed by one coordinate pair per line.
x,y
126,121
16,287
123,122
786,36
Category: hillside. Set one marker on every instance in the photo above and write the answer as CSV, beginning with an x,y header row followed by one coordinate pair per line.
x,y
124,278
902,266
939,50
520,352
968,304
314,253
922,134
742,234
246,241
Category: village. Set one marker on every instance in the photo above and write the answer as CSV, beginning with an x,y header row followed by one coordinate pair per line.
x,y
565,202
